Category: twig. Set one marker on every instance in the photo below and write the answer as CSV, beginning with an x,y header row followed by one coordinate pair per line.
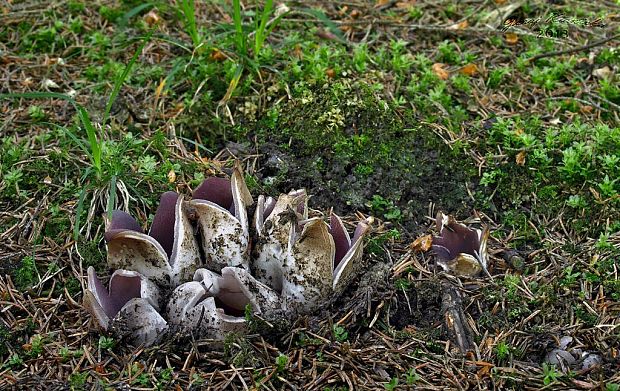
x,y
573,50
610,103
582,101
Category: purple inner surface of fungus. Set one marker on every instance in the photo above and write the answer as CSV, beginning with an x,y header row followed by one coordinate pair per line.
x,y
231,297
361,228
341,238
216,190
122,289
121,221
455,239
228,310
162,228
270,203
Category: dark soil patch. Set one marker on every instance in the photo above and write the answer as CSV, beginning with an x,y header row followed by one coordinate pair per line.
x,y
374,161
419,306
8,266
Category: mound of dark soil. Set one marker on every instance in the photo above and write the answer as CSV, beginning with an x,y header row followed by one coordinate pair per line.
x,y
351,151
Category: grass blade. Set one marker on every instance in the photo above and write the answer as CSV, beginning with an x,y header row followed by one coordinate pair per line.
x,y
232,86
91,132
188,11
111,197
240,35
121,79
274,24
124,20
79,210
261,34
73,137
329,24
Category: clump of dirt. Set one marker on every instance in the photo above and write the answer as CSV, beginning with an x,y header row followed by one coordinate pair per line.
x,y
352,151
9,265
419,307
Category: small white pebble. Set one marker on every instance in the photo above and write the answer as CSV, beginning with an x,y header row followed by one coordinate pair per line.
x,y
49,84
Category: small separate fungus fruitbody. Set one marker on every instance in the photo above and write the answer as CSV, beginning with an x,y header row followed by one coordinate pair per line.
x,y
459,248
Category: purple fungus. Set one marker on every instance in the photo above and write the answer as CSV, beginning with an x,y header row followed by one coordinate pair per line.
x,y
162,228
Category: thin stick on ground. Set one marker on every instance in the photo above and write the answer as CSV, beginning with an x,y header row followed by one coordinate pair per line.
x,y
573,50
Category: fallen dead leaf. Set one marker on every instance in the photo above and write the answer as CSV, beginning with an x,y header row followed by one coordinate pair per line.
x,y
583,384
346,29
49,84
469,69
160,88
410,329
582,60
555,121
520,158
297,52
330,73
423,243
327,35
602,73
172,176
484,371
151,18
99,368
217,55
511,38
405,4
586,109
439,70
459,26
381,3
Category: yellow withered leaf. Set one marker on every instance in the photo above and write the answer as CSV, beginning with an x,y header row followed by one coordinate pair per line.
x,y
217,55
172,176
423,243
151,18
160,88
511,38
469,69
439,70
